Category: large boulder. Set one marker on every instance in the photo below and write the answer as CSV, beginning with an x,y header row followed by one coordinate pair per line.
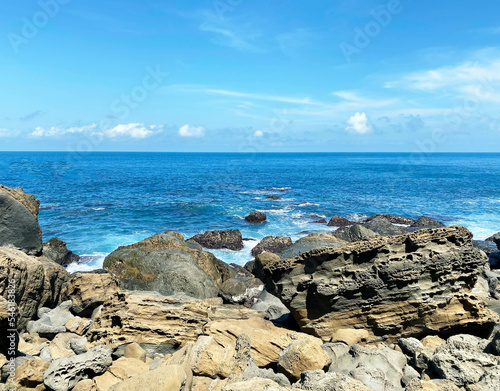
x,y
38,282
18,221
229,238
309,242
426,221
354,233
242,290
55,249
167,264
256,217
391,219
272,244
397,286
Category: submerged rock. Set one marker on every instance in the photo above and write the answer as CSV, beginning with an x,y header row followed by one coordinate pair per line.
x,y
229,238
370,284
18,221
166,264
55,249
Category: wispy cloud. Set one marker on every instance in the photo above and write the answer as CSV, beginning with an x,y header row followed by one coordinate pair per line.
x,y
272,98
191,131
230,38
132,130
4,133
31,116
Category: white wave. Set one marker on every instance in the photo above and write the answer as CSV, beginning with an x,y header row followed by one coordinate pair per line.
x,y
88,262
238,257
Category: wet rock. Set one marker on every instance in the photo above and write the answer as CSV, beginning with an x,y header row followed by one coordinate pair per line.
x,y
272,244
256,217
229,238
426,221
354,233
338,221
273,197
391,219
56,250
383,227
320,221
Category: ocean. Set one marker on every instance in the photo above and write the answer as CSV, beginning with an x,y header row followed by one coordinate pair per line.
x,y
96,202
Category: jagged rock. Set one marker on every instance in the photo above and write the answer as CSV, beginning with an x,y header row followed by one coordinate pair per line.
x,y
168,378
309,242
426,221
273,307
229,238
159,324
338,221
321,381
166,264
39,283
256,217
397,286
78,325
378,368
18,221
272,244
354,233
463,361
52,322
55,250
302,355
30,373
391,219
63,374
88,290
410,345
242,290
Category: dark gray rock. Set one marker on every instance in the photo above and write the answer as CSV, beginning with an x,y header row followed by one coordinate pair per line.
x,y
242,290
383,227
166,264
462,360
273,307
64,373
56,250
494,346
256,217
229,238
495,239
486,246
426,221
273,197
354,233
391,219
272,244
338,221
310,242
320,221
18,226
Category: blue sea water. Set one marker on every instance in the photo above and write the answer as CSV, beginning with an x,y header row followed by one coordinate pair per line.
x,y
99,201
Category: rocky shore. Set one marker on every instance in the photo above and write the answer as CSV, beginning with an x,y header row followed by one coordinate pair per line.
x,y
388,303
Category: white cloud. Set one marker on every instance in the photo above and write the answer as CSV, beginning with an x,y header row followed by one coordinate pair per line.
x,y
7,133
359,123
191,131
134,130
54,131
283,99
258,133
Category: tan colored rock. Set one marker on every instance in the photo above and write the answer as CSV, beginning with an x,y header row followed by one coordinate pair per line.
x,y
78,325
303,355
201,383
30,373
83,385
135,351
432,341
57,346
39,282
89,290
164,378
3,360
120,370
350,336
267,340
28,348
159,320
432,385
256,384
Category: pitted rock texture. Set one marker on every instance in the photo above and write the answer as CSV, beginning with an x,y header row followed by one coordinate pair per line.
x,y
399,286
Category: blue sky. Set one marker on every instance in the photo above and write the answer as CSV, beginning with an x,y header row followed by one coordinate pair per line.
x,y
241,75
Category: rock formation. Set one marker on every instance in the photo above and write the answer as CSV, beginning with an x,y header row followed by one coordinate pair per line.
x,y
229,238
